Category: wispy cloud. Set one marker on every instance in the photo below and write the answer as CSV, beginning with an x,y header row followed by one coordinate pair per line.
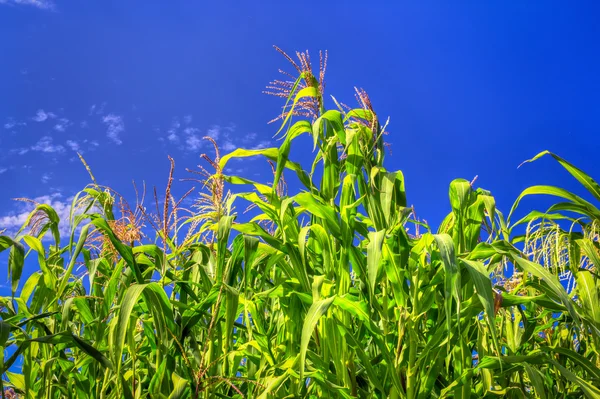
x,y
97,109
11,123
14,220
46,177
228,146
41,4
115,127
73,145
83,146
19,151
172,132
62,124
262,144
193,142
214,132
2,170
42,115
45,145
218,131
189,138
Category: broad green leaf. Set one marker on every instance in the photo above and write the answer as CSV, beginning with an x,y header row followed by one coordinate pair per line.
x,y
313,315
589,183
374,257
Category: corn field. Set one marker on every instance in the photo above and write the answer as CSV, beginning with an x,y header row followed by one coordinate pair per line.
x,y
336,290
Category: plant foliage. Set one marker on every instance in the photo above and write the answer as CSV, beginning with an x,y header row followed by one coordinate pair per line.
x,y
336,291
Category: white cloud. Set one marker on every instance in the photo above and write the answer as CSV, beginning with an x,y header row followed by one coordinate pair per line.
x,y
41,4
12,123
187,119
249,137
262,144
42,115
82,146
14,220
19,151
98,110
83,124
73,145
2,170
193,142
217,131
62,125
46,177
45,145
214,132
115,127
172,132
228,146
190,130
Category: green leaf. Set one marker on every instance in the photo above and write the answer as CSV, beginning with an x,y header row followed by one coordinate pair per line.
x,y
452,276
589,183
374,257
586,207
16,260
555,286
73,340
483,286
316,310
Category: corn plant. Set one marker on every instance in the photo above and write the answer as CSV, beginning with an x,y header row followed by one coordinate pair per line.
x,y
335,291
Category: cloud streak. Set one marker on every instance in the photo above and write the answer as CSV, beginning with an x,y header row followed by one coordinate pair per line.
x,y
115,126
172,132
12,123
41,4
46,145
62,124
42,115
14,220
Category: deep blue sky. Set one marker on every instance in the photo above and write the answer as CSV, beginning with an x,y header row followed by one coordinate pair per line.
x,y
472,88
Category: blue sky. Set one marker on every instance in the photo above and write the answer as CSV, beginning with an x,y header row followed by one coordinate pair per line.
x,y
471,88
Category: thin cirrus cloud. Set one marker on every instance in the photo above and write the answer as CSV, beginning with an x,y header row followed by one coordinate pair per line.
x,y
261,145
41,4
115,126
172,132
42,115
193,140
46,177
62,125
73,145
97,109
45,144
190,138
83,146
14,220
11,123
228,146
